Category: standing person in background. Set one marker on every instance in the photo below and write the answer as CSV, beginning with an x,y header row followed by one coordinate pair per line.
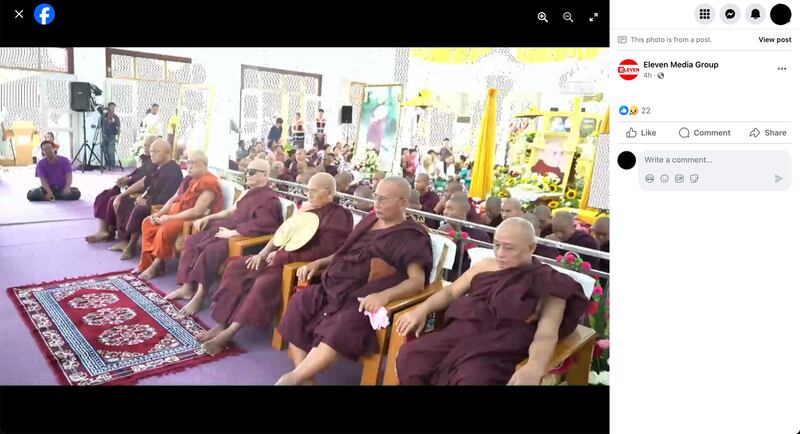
x,y
241,152
321,122
275,132
298,131
446,152
52,139
110,127
172,128
151,125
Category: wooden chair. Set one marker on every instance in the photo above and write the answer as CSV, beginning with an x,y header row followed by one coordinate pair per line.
x,y
443,257
238,245
579,344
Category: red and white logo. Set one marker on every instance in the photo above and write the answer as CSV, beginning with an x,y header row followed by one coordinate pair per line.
x,y
628,69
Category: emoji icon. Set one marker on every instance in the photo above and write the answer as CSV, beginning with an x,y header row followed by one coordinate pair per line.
x,y
634,110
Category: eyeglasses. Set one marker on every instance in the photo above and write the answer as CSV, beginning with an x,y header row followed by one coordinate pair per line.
x,y
252,172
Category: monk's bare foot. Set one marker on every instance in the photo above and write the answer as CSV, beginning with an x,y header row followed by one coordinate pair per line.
x,y
152,271
309,382
98,237
211,334
136,271
216,345
194,306
185,292
127,254
119,247
289,379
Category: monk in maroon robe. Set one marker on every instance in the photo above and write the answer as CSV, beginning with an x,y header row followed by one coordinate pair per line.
x,y
511,207
498,312
545,217
602,232
104,202
250,291
427,199
387,257
564,230
457,208
158,187
258,212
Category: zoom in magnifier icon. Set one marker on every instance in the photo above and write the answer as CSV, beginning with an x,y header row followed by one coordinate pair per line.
x,y
543,17
568,17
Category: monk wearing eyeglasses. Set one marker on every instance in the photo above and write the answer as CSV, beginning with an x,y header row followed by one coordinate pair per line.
x,y
256,213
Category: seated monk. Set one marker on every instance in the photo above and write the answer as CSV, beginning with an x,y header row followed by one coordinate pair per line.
x,y
158,186
387,257
545,217
511,207
499,312
541,249
104,202
365,192
199,192
457,208
250,291
492,216
564,230
257,212
428,199
602,232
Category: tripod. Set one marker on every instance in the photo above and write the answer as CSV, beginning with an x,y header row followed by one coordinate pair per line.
x,y
87,162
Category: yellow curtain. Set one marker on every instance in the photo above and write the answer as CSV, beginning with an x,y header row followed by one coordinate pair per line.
x,y
483,170
523,55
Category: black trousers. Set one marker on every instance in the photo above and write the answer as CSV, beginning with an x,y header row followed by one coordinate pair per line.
x,y
39,195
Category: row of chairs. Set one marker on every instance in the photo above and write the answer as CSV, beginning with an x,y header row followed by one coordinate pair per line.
x,y
574,352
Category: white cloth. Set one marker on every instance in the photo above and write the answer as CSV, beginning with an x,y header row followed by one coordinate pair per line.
x,y
151,126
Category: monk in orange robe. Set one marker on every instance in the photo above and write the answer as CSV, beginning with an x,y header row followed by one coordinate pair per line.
x,y
199,192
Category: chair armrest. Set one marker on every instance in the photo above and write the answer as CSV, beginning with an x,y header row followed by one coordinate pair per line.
x,y
288,285
580,343
237,245
412,300
188,229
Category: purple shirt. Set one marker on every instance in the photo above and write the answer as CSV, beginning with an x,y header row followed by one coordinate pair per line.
x,y
55,173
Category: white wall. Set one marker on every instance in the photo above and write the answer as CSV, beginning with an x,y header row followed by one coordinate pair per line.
x,y
338,66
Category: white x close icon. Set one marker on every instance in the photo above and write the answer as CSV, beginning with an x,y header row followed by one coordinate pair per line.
x,y
19,14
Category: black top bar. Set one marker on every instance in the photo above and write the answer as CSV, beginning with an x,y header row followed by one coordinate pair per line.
x,y
233,23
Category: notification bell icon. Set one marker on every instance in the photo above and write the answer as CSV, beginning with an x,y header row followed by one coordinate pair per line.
x,y
755,14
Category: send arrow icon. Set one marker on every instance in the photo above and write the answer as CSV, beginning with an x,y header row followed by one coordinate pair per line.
x,y
778,178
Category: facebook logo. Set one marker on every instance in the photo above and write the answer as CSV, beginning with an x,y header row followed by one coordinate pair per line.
x,y
44,14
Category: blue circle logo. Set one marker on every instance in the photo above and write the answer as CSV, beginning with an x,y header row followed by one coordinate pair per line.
x,y
44,14
623,110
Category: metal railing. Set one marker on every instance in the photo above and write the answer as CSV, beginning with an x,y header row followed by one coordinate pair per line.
x,y
582,251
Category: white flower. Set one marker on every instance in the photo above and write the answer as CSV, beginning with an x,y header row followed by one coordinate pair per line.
x,y
603,378
593,380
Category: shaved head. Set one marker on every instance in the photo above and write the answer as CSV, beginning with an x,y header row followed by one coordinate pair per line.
x,y
493,207
259,176
532,220
563,225
391,199
543,215
160,152
342,181
514,242
454,187
366,193
602,229
413,198
456,208
511,207
303,178
321,188
422,183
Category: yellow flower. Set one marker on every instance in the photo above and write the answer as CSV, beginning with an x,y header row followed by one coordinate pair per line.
x,y
553,204
504,193
571,194
553,187
512,182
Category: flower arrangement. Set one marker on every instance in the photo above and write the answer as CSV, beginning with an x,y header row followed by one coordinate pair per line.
x,y
370,163
505,179
598,314
457,236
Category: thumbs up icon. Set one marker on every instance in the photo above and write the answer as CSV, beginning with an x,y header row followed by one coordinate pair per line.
x,y
631,134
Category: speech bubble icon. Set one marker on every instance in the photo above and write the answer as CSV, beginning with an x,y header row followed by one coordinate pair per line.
x,y
684,132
